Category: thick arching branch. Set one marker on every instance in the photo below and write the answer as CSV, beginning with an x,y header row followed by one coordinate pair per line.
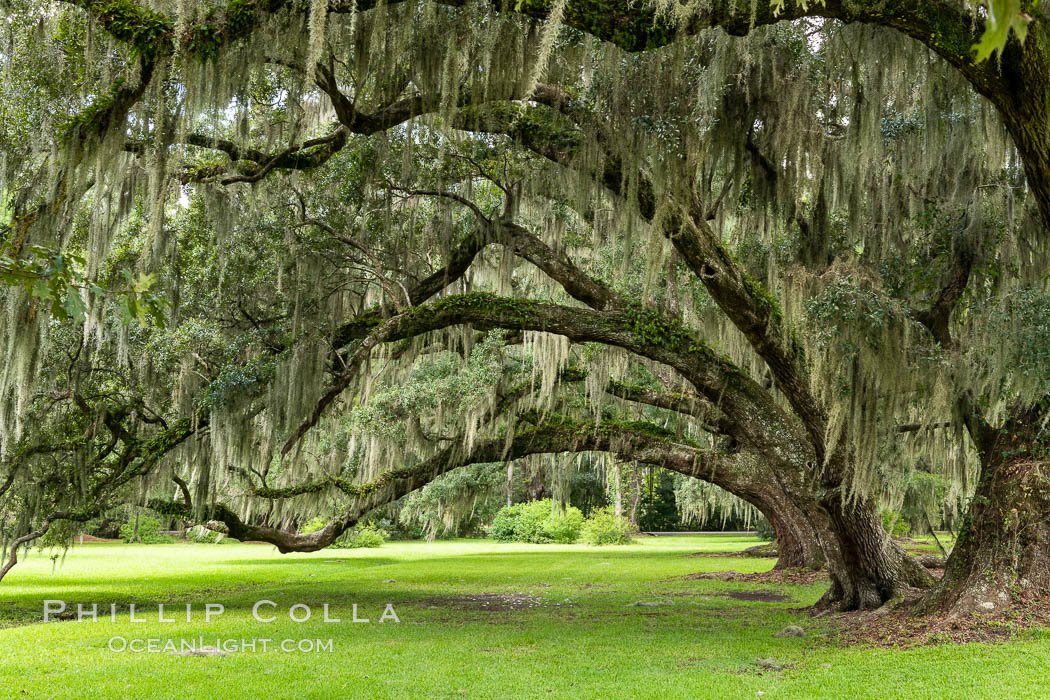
x,y
554,436
638,330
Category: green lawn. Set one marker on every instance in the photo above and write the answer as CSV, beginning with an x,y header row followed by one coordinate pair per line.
x,y
570,630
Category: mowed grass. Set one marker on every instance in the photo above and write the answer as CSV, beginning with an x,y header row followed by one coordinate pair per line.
x,y
559,623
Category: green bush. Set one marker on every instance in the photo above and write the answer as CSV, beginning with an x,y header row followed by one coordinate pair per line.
x,y
363,537
505,524
534,515
535,522
148,531
605,527
564,528
891,519
313,526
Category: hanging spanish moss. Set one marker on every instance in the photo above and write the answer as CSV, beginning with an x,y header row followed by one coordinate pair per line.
x,y
282,196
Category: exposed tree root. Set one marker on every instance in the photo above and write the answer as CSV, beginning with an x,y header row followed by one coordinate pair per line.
x,y
908,623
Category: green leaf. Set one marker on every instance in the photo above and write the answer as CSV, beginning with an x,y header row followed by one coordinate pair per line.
x,y
41,291
73,306
1003,15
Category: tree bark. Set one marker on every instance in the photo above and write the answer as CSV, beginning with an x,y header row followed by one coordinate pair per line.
x,y
1002,555
868,568
798,545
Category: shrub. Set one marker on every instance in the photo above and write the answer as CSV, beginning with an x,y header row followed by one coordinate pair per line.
x,y
564,528
313,525
534,515
363,537
605,527
148,531
535,522
892,519
505,523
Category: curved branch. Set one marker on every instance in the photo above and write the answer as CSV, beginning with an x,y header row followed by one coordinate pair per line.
x,y
743,300
628,441
639,330
24,539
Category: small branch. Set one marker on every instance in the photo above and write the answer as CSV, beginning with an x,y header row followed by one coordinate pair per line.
x,y
444,194
184,489
24,539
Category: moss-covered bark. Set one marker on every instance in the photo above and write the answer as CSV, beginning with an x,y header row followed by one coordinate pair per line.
x,y
1002,555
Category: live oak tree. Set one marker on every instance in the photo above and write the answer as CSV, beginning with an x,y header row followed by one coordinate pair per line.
x,y
751,206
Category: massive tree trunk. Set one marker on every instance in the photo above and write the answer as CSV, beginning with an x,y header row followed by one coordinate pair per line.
x,y
1002,555
801,528
867,568
798,544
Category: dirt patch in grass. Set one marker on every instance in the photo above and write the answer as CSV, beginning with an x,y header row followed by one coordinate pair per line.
x,y
497,602
767,550
801,576
762,596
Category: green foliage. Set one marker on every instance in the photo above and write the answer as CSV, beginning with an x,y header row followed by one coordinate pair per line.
x,y
361,537
148,531
564,528
658,508
604,527
457,504
138,303
364,537
57,280
436,382
504,525
313,525
59,536
537,522
532,516
846,303
893,523
764,529
1004,17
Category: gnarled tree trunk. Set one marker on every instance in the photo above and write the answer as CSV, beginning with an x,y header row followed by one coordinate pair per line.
x,y
798,546
867,568
1003,552
800,535
1002,555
